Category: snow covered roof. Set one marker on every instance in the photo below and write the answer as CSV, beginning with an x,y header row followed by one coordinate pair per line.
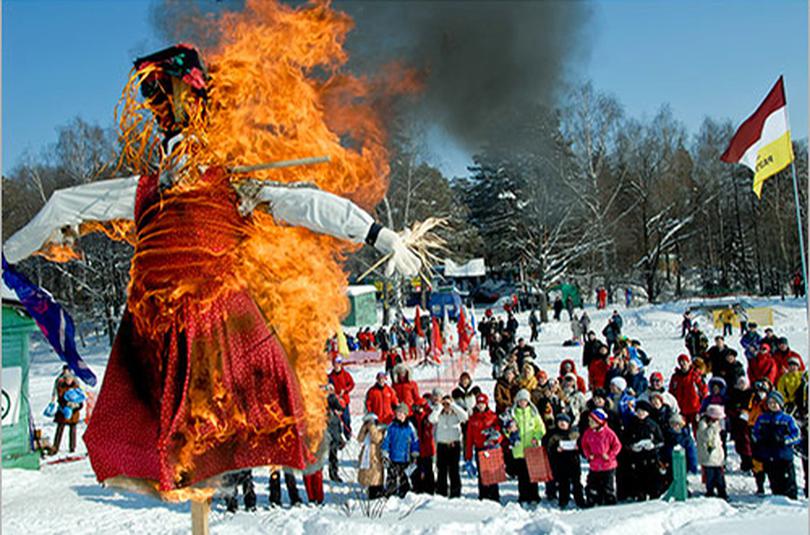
x,y
473,268
362,289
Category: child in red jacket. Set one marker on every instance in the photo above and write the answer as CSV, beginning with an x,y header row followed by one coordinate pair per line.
x,y
687,385
483,433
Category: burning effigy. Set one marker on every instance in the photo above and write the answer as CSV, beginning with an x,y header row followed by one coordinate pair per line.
x,y
236,279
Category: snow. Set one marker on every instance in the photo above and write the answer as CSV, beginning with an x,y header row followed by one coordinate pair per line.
x,y
65,498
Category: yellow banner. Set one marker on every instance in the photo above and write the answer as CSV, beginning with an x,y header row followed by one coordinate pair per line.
x,y
771,159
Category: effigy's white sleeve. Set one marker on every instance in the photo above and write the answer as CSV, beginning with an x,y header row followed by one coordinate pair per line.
x,y
104,200
319,211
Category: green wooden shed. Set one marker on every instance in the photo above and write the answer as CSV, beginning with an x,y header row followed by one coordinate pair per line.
x,y
363,301
16,409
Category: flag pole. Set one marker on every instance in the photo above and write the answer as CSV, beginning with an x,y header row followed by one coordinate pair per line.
x,y
799,225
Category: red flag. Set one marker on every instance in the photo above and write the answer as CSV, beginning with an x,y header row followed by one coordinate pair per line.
x,y
436,333
418,321
464,333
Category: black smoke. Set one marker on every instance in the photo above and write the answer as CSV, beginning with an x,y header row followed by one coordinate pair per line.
x,y
480,60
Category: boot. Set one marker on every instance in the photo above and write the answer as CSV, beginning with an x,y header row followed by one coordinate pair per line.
x,y
72,438
759,477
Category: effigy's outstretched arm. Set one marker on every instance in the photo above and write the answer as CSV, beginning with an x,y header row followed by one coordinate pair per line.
x,y
105,200
326,213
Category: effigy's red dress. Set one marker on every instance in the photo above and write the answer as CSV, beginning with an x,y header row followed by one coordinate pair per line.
x,y
197,383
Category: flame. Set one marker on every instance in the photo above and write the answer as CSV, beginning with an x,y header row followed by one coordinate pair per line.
x,y
116,229
58,252
277,91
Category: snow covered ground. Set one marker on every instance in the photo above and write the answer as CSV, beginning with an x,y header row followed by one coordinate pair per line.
x,y
65,498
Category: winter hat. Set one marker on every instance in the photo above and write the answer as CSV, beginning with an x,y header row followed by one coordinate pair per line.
x,y
482,398
437,392
542,376
676,419
599,416
683,357
763,385
777,397
716,412
381,374
765,346
782,340
334,403
645,406
795,360
338,360
370,417
657,376
523,394
619,382
600,393
752,325
402,407
717,381
571,375
562,417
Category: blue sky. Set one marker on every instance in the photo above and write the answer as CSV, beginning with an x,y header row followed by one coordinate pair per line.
x,y
61,59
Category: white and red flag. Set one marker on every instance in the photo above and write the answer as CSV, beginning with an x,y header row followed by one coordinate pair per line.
x,y
762,142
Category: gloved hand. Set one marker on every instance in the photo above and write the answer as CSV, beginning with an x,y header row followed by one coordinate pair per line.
x,y
469,467
403,260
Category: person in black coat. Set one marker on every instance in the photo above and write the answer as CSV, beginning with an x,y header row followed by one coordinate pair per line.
x,y
611,332
558,307
562,445
731,369
643,439
590,351
716,356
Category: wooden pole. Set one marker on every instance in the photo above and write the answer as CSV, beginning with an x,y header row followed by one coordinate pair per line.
x,y
279,165
199,516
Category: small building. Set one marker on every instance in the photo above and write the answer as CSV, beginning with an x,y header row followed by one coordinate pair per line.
x,y
18,451
363,302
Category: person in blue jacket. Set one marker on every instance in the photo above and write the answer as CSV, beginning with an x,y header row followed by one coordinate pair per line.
x,y
774,435
677,434
400,448
750,340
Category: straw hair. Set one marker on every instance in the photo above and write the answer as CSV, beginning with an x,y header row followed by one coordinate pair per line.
x,y
422,239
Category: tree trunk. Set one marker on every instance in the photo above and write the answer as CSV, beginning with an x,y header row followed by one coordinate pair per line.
x,y
755,218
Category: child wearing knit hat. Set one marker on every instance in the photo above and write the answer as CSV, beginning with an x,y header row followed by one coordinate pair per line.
x,y
601,447
774,436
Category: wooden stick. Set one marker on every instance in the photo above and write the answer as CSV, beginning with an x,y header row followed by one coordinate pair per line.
x,y
279,164
199,516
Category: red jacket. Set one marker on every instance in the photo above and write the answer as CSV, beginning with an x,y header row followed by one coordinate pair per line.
x,y
781,358
478,423
597,373
580,381
407,393
381,400
763,366
689,389
424,430
343,384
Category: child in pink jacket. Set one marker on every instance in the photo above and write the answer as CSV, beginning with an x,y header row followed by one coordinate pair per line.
x,y
601,446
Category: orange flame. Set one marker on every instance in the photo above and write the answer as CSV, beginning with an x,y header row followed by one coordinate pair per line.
x,y
277,91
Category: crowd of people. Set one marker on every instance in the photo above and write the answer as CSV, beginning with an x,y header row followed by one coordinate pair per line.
x,y
612,416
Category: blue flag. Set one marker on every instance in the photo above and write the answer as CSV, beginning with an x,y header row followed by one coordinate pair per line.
x,y
52,320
